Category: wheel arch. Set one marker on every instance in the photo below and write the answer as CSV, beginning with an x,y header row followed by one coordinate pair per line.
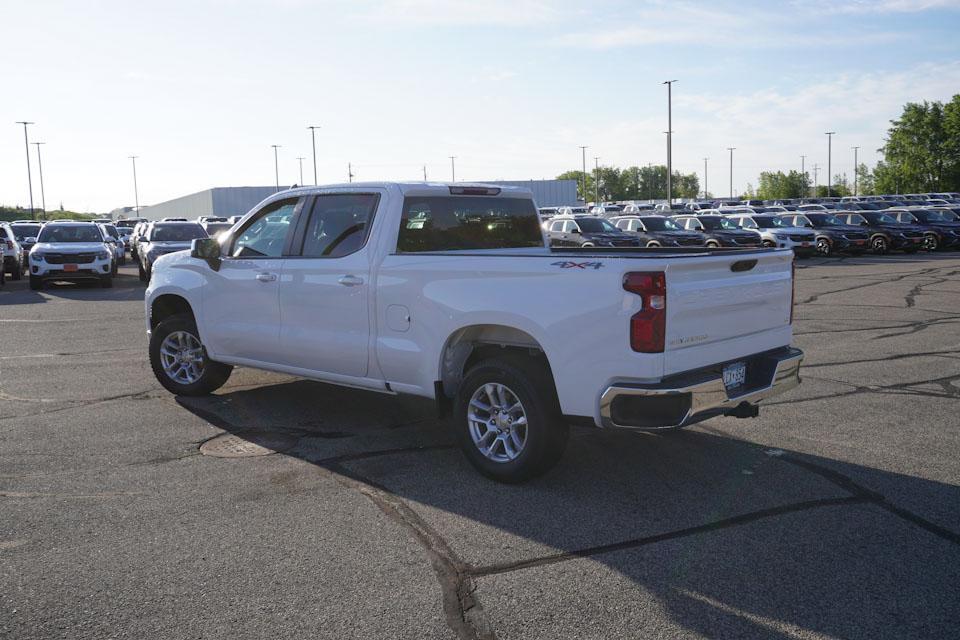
x,y
471,344
166,305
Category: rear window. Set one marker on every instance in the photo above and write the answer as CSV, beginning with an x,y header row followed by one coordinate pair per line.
x,y
177,233
22,231
449,223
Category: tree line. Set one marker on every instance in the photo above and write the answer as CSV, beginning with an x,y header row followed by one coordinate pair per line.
x,y
921,154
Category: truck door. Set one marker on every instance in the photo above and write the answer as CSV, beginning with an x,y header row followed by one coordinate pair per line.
x,y
325,290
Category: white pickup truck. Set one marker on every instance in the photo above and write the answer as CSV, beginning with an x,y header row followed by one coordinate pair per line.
x,y
447,291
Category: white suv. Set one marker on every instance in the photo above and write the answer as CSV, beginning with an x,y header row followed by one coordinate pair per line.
x,y
71,251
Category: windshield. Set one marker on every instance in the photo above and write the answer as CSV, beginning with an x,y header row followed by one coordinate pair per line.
x,y
72,233
769,223
177,233
213,228
22,231
661,224
715,222
596,225
111,230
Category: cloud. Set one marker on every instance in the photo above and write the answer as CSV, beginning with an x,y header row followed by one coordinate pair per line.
x,y
876,6
501,13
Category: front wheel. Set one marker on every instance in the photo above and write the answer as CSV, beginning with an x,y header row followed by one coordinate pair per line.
x,y
508,419
141,273
653,243
106,282
713,244
179,360
931,242
36,283
823,247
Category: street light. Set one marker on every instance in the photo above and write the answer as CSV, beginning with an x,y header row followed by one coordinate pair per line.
x,y
855,171
313,142
816,179
829,135
276,165
731,149
705,178
136,194
300,159
26,144
43,196
453,169
669,84
803,172
583,151
596,180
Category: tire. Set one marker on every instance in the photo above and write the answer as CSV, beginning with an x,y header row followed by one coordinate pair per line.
x,y
36,283
17,271
823,247
544,439
879,245
113,268
586,245
712,244
768,245
123,259
931,242
106,282
212,375
141,273
653,243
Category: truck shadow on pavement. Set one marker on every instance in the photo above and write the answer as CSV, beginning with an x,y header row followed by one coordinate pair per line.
x,y
691,532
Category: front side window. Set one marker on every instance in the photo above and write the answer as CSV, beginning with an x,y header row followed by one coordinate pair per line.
x,y
339,224
265,236
444,223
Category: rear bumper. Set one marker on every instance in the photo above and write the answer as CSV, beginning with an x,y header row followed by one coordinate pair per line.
x,y
694,396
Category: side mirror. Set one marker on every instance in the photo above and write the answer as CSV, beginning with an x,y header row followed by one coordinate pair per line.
x,y
31,240
206,249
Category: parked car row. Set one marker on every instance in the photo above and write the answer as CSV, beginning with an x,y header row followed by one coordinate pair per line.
x,y
877,224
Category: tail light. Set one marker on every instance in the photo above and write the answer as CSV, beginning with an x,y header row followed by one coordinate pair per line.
x,y
648,326
10,244
793,286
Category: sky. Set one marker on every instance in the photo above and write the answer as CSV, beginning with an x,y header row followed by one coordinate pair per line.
x,y
200,90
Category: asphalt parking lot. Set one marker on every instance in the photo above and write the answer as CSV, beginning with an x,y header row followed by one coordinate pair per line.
x,y
285,508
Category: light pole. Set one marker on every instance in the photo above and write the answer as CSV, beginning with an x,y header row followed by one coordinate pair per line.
x,y
596,180
276,165
816,179
300,159
349,172
26,144
803,172
731,149
453,169
313,142
669,84
136,193
43,196
424,173
829,135
856,189
583,151
705,178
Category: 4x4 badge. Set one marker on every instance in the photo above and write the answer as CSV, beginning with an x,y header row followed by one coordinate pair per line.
x,y
566,264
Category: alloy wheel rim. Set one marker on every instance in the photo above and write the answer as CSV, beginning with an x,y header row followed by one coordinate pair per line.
x,y
823,247
930,243
497,422
182,357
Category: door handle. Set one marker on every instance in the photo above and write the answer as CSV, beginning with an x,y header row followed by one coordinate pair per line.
x,y
350,281
266,277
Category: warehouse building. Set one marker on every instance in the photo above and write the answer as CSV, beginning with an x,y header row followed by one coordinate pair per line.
x,y
236,201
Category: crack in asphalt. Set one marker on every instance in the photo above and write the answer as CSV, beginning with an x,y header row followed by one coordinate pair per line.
x,y
949,390
716,525
887,280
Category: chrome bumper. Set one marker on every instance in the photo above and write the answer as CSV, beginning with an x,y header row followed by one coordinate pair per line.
x,y
706,396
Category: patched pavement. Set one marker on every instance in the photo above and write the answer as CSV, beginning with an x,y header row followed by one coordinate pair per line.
x,y
285,508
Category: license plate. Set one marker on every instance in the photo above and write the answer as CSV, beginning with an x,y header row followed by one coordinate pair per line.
x,y
69,267
734,375
860,242
915,240
805,244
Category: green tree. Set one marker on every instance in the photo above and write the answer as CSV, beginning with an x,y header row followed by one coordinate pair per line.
x,y
775,185
866,182
922,146
578,176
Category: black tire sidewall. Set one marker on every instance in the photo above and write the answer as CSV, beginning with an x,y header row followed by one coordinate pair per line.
x,y
214,375
546,432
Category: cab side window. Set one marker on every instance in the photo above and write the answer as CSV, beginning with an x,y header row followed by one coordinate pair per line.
x,y
747,223
266,234
339,224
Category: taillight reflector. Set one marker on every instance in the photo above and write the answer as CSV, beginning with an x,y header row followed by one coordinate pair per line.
x,y
648,326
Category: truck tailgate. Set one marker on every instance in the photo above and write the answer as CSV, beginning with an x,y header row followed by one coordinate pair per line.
x,y
726,306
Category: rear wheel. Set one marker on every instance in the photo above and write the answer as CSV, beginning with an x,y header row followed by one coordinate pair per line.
x,y
879,245
508,419
587,244
653,243
713,244
17,271
179,360
931,242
